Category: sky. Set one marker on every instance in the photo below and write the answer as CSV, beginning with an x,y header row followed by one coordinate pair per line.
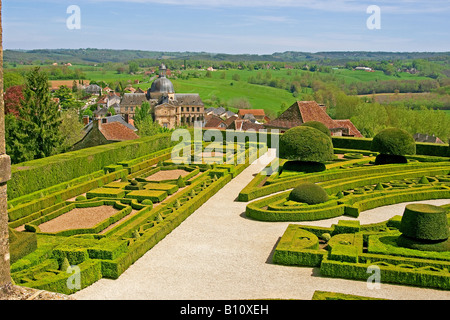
x,y
229,26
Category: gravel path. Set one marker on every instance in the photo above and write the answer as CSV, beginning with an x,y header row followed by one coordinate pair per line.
x,y
217,253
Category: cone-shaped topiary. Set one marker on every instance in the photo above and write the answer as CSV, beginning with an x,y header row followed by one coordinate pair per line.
x,y
424,180
319,126
65,264
393,144
309,193
379,186
307,144
180,182
136,234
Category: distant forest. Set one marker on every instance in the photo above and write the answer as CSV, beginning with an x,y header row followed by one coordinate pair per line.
x,y
93,56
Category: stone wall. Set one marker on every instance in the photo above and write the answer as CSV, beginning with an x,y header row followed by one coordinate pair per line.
x,y
5,175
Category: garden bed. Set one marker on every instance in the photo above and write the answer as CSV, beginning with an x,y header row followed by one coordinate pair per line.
x,y
79,218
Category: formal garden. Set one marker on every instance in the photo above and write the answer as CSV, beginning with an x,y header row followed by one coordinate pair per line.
x,y
104,221
101,209
317,178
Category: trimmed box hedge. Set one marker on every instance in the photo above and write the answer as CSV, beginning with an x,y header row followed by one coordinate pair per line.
x,y
153,195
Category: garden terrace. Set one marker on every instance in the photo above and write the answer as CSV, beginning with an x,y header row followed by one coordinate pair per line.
x,y
104,221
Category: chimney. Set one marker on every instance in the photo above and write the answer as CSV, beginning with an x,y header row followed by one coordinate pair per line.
x,y
104,120
96,122
85,120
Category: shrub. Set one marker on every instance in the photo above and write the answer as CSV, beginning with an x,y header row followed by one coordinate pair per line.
x,y
80,198
302,166
424,222
394,141
147,202
309,193
306,144
319,126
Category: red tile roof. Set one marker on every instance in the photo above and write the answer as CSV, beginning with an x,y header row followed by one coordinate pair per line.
x,y
353,131
215,122
304,111
255,112
115,131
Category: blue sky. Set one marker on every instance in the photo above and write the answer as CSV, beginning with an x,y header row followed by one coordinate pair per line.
x,y
232,26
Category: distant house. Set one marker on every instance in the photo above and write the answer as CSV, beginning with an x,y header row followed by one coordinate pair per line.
x,y
258,114
102,132
244,125
214,122
93,89
216,111
304,111
420,137
364,69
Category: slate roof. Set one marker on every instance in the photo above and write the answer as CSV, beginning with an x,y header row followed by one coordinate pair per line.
x,y
421,137
133,99
192,99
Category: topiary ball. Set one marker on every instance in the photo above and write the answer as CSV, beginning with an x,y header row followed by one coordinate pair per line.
x,y
424,222
307,144
147,202
309,193
318,125
394,141
80,198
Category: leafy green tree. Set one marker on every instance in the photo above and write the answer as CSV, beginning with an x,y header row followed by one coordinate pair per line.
x,y
64,94
71,129
39,117
143,121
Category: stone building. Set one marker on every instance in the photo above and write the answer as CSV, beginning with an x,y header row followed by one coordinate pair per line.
x,y
169,109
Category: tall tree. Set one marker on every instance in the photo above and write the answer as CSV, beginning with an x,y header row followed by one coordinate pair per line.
x,y
40,118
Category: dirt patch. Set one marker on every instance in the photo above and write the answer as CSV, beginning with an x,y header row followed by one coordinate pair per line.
x,y
167,175
78,218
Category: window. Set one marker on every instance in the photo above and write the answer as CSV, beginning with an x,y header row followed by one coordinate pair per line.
x,y
182,109
187,109
198,109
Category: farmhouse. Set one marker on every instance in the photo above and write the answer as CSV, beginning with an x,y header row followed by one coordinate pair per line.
x,y
304,111
101,131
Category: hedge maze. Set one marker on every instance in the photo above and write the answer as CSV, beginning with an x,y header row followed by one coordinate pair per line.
x,y
127,208
413,250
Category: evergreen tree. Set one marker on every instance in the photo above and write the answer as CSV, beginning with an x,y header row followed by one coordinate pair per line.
x,y
39,116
